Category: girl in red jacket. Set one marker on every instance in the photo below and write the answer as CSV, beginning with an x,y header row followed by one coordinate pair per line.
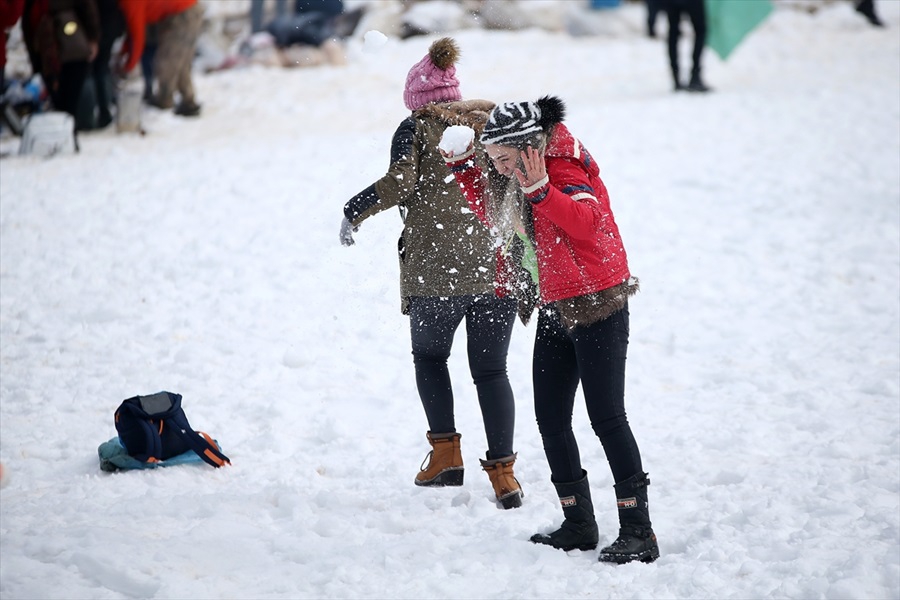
x,y
542,196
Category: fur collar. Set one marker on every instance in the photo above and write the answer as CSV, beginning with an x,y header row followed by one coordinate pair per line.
x,y
471,113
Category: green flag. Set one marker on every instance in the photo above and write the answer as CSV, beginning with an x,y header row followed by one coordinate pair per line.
x,y
729,21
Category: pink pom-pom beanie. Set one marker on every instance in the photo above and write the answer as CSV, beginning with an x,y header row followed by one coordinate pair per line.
x,y
433,79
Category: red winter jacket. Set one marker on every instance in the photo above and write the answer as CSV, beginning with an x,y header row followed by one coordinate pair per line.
x,y
140,13
579,250
10,12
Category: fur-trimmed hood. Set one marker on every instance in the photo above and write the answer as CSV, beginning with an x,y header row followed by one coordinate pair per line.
x,y
471,113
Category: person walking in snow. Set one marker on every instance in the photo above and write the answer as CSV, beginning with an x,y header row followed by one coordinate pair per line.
x,y
696,13
63,69
541,190
178,27
447,270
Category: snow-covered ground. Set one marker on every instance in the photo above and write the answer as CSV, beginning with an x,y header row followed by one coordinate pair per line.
x,y
764,373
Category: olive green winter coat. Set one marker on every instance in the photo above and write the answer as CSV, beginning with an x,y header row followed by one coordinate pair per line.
x,y
444,249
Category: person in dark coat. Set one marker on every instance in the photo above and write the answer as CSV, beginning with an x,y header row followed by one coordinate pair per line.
x,y
64,77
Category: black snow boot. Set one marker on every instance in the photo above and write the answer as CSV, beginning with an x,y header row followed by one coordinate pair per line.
x,y
696,84
867,9
579,529
636,539
678,86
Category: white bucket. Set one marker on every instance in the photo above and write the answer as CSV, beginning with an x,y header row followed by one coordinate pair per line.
x,y
128,110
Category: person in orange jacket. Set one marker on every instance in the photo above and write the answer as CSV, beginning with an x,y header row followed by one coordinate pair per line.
x,y
178,23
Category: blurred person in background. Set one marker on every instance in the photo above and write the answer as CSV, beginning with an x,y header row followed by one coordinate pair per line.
x,y
10,13
112,26
147,57
178,28
64,68
696,13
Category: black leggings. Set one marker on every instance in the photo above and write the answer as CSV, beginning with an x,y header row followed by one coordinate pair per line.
x,y
489,322
67,93
696,12
595,356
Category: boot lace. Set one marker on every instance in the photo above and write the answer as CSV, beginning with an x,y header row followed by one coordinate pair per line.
x,y
424,466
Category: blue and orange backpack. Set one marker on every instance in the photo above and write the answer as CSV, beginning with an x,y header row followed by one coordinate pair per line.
x,y
154,429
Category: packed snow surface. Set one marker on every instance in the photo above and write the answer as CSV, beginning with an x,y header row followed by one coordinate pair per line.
x,y
763,220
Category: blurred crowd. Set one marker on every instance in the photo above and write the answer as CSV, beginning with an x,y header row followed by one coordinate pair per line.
x,y
79,49
82,53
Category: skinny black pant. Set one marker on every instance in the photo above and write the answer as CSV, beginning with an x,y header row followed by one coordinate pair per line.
x,y
594,356
112,26
696,12
67,93
489,320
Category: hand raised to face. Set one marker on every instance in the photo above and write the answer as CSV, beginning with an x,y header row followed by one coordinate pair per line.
x,y
533,167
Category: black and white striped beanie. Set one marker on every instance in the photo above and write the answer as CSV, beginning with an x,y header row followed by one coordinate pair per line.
x,y
520,124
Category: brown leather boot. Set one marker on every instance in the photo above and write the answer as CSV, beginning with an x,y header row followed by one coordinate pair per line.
x,y
445,464
506,486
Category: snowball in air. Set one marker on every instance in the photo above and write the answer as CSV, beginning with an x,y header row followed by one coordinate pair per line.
x,y
457,139
373,41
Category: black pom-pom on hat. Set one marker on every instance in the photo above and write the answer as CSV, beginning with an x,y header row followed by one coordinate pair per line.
x,y
553,111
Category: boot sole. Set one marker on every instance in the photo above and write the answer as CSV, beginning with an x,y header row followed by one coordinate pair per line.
x,y
583,547
513,500
446,478
545,541
645,557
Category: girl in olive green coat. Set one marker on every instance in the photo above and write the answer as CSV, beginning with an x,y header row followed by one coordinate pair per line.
x,y
447,272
